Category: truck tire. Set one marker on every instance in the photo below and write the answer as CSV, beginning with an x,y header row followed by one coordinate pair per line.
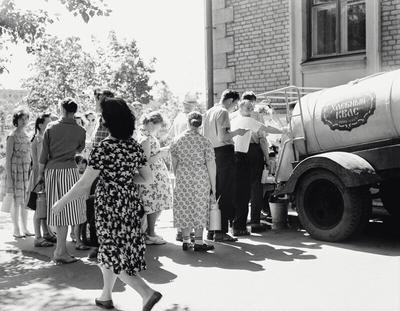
x,y
328,210
389,194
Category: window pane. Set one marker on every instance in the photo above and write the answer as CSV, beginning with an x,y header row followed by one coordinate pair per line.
x,y
355,26
315,2
324,28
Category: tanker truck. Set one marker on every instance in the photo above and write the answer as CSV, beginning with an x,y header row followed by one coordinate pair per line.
x,y
341,143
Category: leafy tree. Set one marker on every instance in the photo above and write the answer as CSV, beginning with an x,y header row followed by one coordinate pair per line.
x,y
62,69
22,26
121,68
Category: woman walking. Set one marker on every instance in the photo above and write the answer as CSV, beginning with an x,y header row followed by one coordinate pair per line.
x,y
18,161
39,224
193,162
62,140
120,164
156,196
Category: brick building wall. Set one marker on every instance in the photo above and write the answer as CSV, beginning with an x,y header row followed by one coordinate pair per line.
x,y
261,44
390,34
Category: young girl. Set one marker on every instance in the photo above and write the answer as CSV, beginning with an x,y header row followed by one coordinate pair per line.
x,y
156,196
47,239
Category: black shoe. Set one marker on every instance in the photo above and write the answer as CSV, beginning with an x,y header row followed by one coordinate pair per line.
x,y
203,247
93,253
179,237
210,235
185,246
106,304
256,228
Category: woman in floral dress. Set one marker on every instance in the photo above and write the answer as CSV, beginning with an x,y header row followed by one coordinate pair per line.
x,y
18,162
158,195
193,162
120,164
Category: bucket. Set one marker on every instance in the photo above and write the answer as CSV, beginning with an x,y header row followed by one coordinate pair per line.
x,y
279,213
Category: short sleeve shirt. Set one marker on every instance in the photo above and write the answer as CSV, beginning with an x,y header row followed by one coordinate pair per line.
x,y
215,121
242,142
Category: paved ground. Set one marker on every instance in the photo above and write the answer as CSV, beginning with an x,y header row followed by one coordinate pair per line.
x,y
275,271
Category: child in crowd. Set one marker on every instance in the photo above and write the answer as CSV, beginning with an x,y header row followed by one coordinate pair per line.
x,y
76,232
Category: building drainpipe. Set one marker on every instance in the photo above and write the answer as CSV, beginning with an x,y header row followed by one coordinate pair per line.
x,y
209,55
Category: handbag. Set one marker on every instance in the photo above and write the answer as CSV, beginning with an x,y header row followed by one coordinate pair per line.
x,y
33,197
265,173
215,216
8,203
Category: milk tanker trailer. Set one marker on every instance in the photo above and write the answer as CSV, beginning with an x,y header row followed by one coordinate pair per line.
x,y
342,142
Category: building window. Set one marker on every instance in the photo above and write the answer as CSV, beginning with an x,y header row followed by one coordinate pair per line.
x,y
337,27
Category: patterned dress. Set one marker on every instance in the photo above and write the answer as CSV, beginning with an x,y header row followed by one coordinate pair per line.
x,y
20,168
156,196
117,204
192,190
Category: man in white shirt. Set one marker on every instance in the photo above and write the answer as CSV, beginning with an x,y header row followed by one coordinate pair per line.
x,y
251,152
217,128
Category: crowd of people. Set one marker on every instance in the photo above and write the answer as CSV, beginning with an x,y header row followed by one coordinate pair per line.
x,y
109,181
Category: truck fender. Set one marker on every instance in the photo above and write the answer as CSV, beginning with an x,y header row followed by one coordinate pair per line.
x,y
352,170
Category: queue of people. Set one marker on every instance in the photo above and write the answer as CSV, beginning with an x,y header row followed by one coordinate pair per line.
x,y
119,185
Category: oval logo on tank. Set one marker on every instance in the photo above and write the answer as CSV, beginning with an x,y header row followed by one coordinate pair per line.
x,y
350,113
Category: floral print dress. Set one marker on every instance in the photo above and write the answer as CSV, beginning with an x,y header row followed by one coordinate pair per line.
x,y
192,190
118,206
156,196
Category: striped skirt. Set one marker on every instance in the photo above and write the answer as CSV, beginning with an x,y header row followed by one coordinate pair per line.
x,y
58,182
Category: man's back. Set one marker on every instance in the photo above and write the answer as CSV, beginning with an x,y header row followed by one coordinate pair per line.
x,y
215,120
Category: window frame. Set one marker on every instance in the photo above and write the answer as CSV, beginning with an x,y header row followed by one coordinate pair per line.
x,y
341,30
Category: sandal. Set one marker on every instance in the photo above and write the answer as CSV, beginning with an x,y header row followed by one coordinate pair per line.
x,y
50,238
241,232
82,247
62,261
203,247
19,236
224,238
42,243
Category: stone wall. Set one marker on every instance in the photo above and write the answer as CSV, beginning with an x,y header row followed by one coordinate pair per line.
x,y
390,34
251,44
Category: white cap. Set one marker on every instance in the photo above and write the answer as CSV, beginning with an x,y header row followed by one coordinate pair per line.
x,y
190,98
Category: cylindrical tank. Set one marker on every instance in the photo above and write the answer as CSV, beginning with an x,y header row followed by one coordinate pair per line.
x,y
361,112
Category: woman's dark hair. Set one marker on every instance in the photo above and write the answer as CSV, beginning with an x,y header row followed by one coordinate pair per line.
x,y
69,105
152,117
117,117
18,114
249,95
195,119
227,94
40,120
103,92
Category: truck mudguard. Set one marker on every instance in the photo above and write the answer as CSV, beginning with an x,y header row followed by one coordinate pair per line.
x,y
351,169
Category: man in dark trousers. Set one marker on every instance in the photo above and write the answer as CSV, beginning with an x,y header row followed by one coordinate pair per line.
x,y
217,129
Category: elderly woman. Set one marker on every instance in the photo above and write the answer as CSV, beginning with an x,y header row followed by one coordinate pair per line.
x,y
62,140
120,164
194,166
18,161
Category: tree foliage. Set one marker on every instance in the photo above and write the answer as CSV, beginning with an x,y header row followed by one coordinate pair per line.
x,y
63,68
24,26
120,67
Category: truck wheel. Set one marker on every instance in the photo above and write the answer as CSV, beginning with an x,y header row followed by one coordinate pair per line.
x,y
389,194
328,210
